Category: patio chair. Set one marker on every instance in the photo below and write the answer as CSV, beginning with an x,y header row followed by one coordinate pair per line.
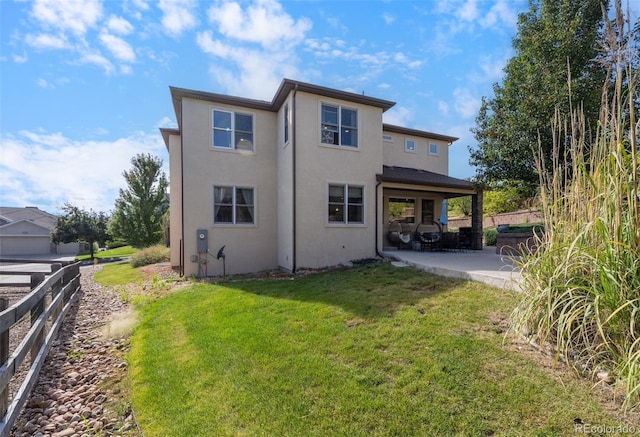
x,y
399,234
429,236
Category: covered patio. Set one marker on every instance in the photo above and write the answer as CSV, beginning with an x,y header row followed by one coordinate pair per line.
x,y
413,206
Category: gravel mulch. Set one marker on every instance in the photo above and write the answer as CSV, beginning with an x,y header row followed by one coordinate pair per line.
x,y
77,393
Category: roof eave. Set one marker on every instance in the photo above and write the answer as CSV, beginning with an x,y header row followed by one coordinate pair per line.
x,y
418,133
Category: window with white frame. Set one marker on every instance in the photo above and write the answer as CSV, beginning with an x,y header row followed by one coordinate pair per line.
x,y
433,149
286,124
410,146
346,204
339,126
233,205
232,130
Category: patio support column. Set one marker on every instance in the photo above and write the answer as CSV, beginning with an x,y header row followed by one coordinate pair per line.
x,y
476,220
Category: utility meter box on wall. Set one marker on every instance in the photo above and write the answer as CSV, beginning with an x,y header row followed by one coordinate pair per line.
x,y
203,240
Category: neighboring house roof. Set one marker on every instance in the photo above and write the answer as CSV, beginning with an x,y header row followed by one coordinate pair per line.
x,y
416,176
32,214
23,228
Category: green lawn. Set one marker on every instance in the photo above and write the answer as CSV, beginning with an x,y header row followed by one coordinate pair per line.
x,y
118,252
373,350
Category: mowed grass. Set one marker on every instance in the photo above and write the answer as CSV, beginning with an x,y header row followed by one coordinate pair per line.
x,y
118,252
373,350
119,274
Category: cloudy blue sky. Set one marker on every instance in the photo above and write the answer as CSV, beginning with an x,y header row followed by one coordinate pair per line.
x,y
84,84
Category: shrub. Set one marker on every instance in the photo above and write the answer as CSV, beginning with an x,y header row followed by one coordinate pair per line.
x,y
490,237
150,255
115,244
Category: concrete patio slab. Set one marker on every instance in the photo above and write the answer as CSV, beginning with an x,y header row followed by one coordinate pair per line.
x,y
477,265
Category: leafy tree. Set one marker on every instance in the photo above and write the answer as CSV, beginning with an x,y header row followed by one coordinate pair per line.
x,y
80,225
460,206
139,209
556,48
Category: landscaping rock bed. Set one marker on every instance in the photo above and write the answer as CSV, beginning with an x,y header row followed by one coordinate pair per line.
x,y
77,393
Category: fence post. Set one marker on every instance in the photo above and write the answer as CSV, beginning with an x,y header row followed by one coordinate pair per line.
x,y
55,290
37,309
4,356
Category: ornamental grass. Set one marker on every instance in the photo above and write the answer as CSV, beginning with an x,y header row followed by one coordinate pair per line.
x,y
582,287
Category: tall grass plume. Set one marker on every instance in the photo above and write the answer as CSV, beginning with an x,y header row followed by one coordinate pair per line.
x,y
582,286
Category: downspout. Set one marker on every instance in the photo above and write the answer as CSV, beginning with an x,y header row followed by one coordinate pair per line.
x,y
182,260
377,219
293,159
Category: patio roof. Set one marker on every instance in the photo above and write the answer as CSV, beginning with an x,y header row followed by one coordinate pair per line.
x,y
414,176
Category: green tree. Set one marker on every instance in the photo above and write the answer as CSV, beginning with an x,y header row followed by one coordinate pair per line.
x,y
139,209
556,48
80,225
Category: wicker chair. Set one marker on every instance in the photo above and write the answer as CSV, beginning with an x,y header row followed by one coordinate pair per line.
x,y
429,236
399,234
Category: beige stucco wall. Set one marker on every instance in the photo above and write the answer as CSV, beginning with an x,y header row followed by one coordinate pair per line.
x,y
285,189
318,242
249,248
175,199
396,155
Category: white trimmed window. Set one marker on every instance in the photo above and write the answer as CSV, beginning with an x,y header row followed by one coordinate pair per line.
x,y
346,204
339,126
232,130
233,205
286,124
433,149
410,146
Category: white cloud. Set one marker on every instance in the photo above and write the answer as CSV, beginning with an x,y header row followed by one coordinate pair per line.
x,y
264,23
166,122
388,18
20,59
75,16
443,107
258,71
47,41
118,47
178,15
258,43
465,103
502,11
119,25
468,11
399,116
42,83
49,169
96,58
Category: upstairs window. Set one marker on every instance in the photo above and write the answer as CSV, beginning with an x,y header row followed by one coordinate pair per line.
x,y
339,126
433,149
232,130
410,146
233,205
286,124
346,204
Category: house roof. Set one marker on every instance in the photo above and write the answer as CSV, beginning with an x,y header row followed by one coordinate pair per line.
x,y
416,176
11,214
285,88
288,85
417,133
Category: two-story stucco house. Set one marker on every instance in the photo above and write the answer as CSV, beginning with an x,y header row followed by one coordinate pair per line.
x,y
303,181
